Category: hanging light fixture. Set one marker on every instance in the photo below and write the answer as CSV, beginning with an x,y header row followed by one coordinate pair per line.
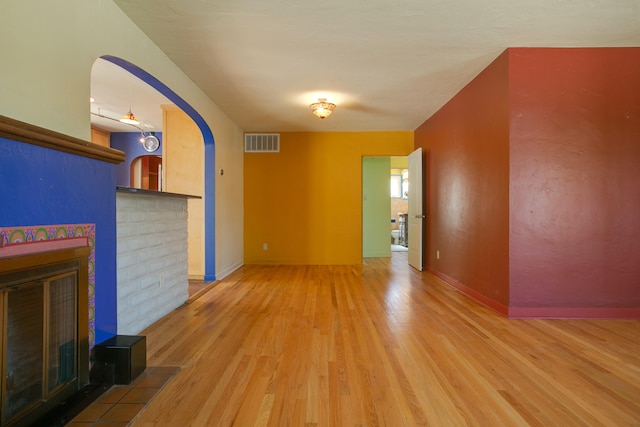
x,y
322,108
129,118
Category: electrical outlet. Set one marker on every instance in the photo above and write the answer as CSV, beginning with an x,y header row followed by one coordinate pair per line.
x,y
437,254
265,247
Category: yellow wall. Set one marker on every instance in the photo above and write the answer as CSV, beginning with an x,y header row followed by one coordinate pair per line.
x,y
399,162
305,202
183,172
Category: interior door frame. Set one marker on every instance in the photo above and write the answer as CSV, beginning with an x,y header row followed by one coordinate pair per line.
x,y
416,216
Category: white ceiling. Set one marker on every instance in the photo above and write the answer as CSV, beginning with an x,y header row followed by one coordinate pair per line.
x,y
387,64
115,91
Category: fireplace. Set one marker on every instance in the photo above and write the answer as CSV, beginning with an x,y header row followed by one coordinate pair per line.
x,y
44,339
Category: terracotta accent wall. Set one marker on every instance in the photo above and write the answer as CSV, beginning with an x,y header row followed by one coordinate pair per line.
x,y
305,202
466,144
533,184
575,182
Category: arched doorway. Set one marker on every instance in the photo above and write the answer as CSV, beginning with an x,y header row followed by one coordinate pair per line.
x,y
209,157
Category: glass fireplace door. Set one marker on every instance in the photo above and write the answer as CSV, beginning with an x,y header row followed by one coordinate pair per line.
x,y
24,348
40,349
44,336
61,358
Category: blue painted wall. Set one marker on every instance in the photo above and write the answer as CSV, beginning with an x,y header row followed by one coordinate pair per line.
x,y
39,186
129,143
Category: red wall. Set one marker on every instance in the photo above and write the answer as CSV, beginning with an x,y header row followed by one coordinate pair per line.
x,y
466,144
533,184
575,182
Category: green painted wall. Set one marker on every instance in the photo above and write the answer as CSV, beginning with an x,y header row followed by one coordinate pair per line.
x,y
376,234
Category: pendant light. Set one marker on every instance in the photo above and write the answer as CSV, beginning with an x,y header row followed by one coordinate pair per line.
x,y
129,118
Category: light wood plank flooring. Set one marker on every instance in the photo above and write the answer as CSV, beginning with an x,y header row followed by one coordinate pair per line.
x,y
380,344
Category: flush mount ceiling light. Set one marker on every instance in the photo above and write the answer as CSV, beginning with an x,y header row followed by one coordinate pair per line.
x,y
129,119
322,108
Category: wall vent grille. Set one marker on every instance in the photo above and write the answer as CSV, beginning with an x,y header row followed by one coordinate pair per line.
x,y
261,142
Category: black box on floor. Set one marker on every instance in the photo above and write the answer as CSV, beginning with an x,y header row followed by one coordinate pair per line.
x,y
128,354
102,373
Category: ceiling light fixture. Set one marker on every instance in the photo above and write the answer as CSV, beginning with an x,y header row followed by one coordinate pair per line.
x,y
129,119
322,108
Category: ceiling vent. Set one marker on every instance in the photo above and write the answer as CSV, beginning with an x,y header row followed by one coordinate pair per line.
x,y
261,142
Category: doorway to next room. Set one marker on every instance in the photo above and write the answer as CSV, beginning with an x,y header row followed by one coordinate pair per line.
x,y
385,184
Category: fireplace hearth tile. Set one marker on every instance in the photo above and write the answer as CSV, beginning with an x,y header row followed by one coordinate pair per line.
x,y
113,395
122,412
128,400
140,395
93,412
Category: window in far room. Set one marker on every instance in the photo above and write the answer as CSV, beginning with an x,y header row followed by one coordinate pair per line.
x,y
396,186
399,185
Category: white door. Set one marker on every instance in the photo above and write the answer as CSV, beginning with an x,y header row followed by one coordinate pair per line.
x,y
415,220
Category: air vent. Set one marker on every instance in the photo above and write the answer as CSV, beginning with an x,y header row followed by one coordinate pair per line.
x,y
261,142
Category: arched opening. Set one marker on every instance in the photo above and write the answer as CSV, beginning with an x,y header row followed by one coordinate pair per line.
x,y
209,157
146,173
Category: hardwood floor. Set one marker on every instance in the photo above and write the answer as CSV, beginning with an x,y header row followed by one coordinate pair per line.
x,y
197,288
382,345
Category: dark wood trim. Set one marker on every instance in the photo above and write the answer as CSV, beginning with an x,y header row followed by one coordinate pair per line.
x,y
17,263
154,193
31,134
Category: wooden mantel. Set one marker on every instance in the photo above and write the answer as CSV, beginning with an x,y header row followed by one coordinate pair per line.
x,y
31,134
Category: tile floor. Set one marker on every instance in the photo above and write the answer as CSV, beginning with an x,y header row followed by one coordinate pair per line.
x,y
121,403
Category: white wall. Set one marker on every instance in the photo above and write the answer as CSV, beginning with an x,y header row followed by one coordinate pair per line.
x,y
152,259
47,50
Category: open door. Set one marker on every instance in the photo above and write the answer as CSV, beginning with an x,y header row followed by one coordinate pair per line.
x,y
416,211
